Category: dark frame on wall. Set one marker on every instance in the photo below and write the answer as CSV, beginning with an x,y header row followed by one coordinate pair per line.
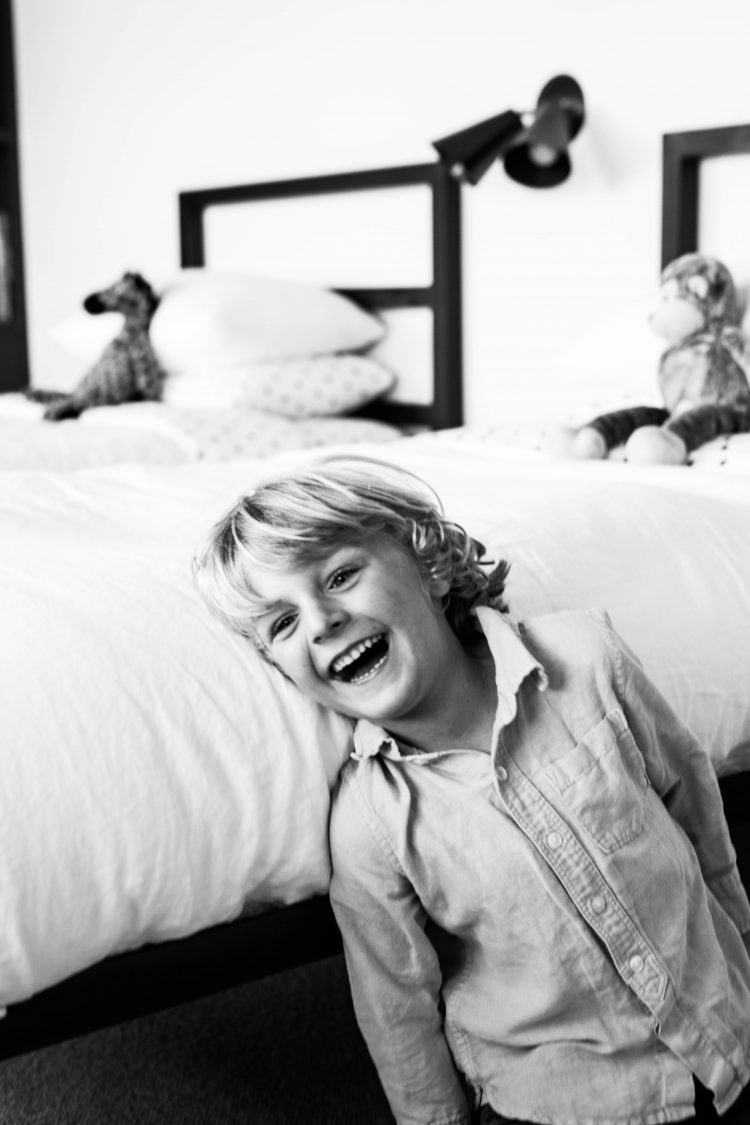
x,y
682,156
442,297
14,358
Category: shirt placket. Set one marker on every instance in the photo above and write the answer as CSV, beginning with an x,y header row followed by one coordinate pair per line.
x,y
592,896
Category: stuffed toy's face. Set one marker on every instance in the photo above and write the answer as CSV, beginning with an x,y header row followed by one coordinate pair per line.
x,y
676,317
696,293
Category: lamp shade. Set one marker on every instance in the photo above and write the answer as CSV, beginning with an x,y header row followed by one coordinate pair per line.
x,y
540,157
533,146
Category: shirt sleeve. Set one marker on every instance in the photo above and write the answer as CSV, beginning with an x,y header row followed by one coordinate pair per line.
x,y
682,774
393,969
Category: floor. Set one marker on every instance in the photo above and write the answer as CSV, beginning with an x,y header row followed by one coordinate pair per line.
x,y
281,1051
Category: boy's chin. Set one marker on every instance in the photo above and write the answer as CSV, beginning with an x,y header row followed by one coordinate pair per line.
x,y
369,710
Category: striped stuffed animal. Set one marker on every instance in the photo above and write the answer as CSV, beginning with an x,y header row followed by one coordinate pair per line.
x,y
127,370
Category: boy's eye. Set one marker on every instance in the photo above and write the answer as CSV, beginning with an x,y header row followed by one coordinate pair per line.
x,y
281,624
342,576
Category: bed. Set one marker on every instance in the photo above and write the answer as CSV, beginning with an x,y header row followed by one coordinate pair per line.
x,y
163,818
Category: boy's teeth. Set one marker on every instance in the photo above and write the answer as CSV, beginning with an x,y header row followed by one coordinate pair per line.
x,y
353,654
360,679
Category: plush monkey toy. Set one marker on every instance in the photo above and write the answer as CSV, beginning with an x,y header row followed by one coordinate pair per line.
x,y
703,374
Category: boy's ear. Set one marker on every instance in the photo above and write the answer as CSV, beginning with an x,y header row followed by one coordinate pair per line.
x,y
438,587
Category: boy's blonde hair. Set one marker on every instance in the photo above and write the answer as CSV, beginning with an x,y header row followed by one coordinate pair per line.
x,y
304,515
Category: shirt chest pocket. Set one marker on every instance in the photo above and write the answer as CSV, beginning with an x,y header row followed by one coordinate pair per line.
x,y
602,782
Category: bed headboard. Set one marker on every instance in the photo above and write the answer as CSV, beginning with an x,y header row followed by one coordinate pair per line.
x,y
684,157
436,294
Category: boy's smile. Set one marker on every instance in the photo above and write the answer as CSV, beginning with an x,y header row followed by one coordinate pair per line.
x,y
363,632
361,661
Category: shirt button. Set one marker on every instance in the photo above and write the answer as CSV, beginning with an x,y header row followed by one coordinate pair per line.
x,y
554,839
598,904
636,964
501,773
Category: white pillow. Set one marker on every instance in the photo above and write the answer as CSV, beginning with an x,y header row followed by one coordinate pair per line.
x,y
85,336
296,388
208,319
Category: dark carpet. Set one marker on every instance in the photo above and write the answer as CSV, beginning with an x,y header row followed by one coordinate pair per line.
x,y
280,1051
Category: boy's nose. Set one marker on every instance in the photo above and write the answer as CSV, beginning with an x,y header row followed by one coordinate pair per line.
x,y
326,621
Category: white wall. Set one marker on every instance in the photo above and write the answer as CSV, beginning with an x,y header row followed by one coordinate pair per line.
x,y
123,103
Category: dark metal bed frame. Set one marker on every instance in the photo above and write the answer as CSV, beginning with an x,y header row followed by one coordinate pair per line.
x,y
158,976
442,297
682,155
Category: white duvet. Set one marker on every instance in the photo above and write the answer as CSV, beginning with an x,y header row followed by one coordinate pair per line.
x,y
158,778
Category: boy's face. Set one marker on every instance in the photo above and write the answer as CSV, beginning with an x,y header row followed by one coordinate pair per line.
x,y
360,631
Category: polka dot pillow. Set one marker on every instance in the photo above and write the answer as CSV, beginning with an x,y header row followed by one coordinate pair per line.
x,y
295,388
239,434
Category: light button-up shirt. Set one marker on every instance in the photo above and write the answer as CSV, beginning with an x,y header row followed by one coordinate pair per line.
x,y
553,928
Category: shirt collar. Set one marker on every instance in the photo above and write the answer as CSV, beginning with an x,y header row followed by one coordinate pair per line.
x,y
513,663
370,740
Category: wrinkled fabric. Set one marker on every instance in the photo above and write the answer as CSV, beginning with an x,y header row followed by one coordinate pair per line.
x,y
554,928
